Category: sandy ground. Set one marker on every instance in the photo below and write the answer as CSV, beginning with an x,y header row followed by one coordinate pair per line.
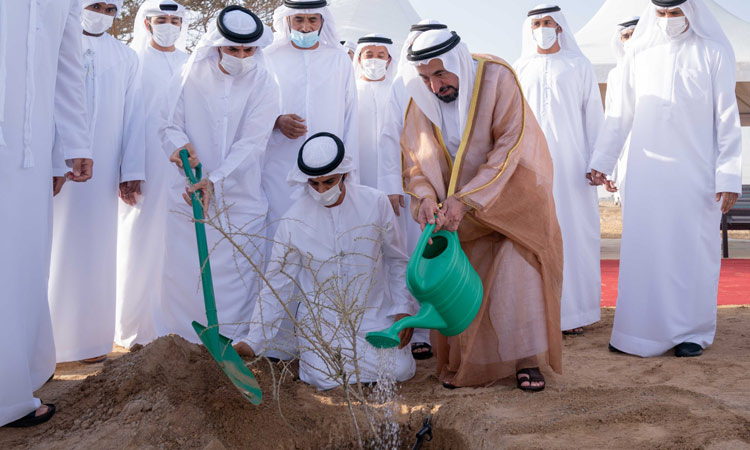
x,y
171,395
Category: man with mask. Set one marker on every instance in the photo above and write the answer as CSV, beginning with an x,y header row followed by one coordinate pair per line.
x,y
389,164
560,85
37,107
318,93
159,41
623,34
678,102
475,158
374,70
339,243
84,238
222,111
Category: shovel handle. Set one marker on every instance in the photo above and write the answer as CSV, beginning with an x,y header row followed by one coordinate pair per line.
x,y
194,178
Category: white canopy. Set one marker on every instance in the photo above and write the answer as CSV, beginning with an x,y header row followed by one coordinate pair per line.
x,y
356,18
594,40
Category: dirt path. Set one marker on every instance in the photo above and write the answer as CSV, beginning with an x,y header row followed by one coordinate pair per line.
x,y
170,395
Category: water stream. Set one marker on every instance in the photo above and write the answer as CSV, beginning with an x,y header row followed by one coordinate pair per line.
x,y
384,398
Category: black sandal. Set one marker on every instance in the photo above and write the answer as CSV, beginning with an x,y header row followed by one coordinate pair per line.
x,y
573,332
534,375
449,386
420,346
32,419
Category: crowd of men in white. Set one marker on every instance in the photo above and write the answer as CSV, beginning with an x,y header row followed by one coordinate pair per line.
x,y
300,144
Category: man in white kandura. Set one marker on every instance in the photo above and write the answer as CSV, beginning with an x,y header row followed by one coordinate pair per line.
x,y
339,242
37,107
684,163
222,111
374,69
159,40
623,34
560,85
389,165
318,93
84,237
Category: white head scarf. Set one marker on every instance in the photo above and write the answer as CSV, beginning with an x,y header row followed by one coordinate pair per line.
x,y
329,37
392,68
319,151
117,3
349,46
403,63
151,8
457,60
701,21
235,20
567,38
617,45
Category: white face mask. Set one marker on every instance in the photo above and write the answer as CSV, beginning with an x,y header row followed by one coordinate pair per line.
x,y
237,66
165,34
545,37
94,22
326,198
374,68
672,26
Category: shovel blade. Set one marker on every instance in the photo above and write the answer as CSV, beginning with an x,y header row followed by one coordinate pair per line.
x,y
231,364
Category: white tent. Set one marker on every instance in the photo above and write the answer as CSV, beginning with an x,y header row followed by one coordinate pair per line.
x,y
595,41
356,18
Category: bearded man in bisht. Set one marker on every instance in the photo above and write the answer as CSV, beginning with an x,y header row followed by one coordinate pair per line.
x,y
340,244
222,110
159,37
84,232
389,164
37,107
475,157
623,33
374,69
678,102
560,85
318,93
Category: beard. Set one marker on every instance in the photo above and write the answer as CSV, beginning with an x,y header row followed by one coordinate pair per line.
x,y
448,94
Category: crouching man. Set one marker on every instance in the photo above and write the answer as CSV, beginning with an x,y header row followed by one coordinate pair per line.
x,y
340,245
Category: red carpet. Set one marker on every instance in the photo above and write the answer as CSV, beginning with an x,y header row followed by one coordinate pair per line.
x,y
734,282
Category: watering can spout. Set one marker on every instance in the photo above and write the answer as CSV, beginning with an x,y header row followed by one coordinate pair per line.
x,y
428,317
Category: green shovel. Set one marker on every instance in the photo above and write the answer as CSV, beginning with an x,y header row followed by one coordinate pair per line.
x,y
218,346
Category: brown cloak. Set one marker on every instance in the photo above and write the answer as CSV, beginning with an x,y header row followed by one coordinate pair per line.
x,y
503,170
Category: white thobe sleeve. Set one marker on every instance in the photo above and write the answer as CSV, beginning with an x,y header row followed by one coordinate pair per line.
x,y
618,123
253,133
728,137
172,132
351,121
71,124
593,112
133,150
395,259
280,274
389,153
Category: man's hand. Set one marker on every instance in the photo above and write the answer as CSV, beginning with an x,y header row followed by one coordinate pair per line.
x,y
405,334
83,169
397,202
730,198
57,184
609,185
291,125
130,191
453,212
427,210
244,349
596,178
205,188
192,156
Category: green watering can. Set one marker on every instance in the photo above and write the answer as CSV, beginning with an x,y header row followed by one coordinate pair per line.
x,y
444,283
218,346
